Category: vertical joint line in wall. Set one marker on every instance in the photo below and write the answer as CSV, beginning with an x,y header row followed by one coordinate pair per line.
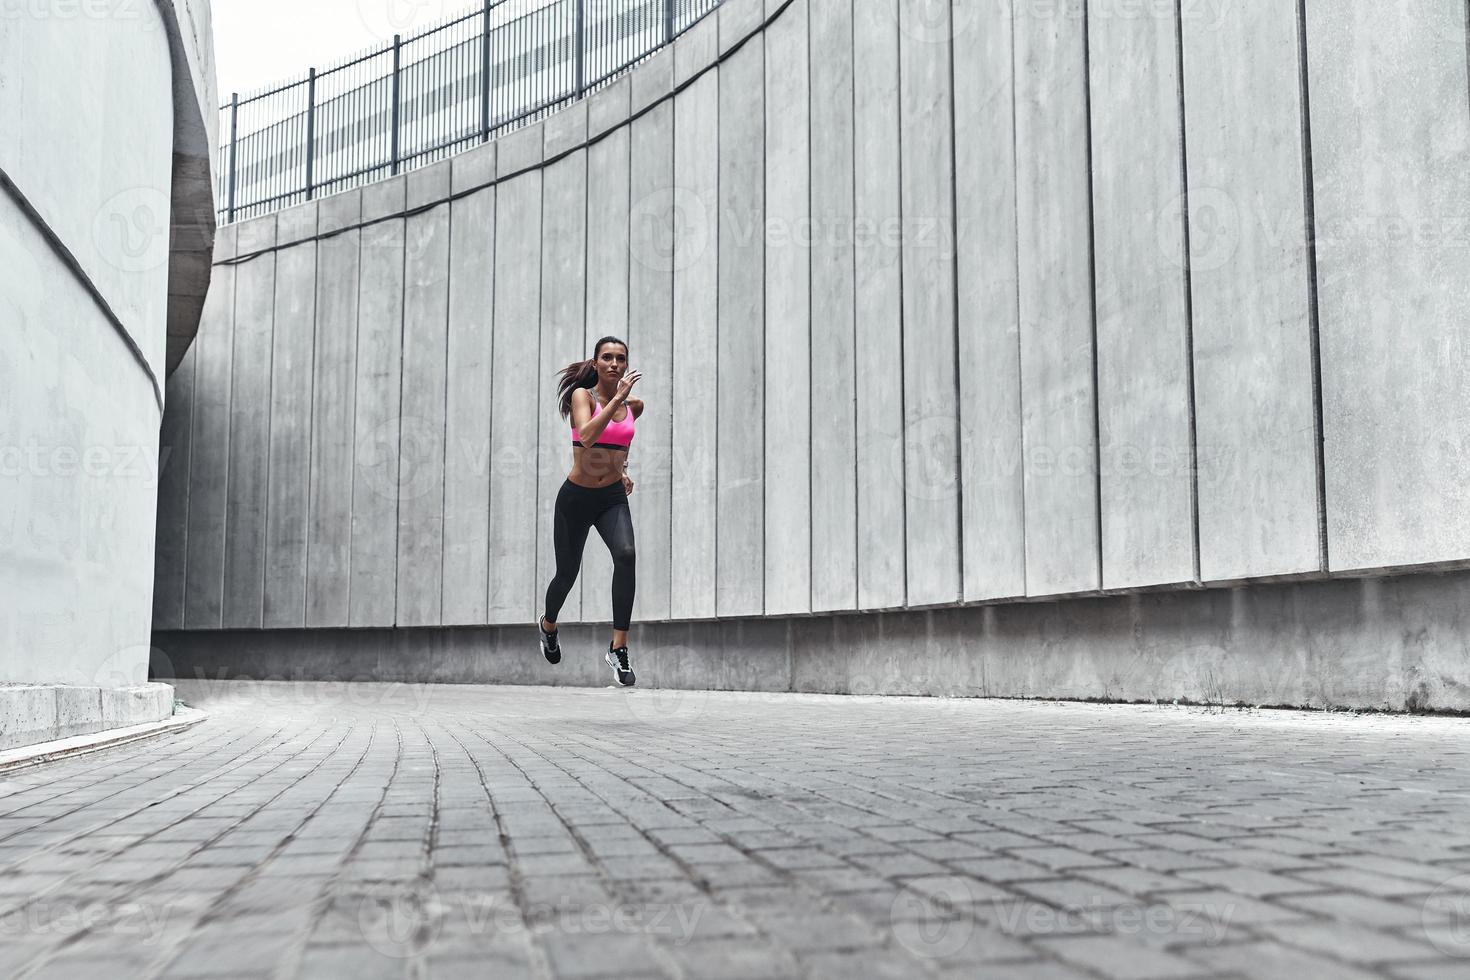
x,y
719,262
811,548
1187,261
491,381
444,439
587,294
398,461
903,448
1016,253
270,388
857,550
765,213
1092,289
352,445
540,335
316,306
954,227
188,485
1310,211
671,175
224,524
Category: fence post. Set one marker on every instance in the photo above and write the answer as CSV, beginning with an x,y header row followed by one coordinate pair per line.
x,y
668,21
310,134
485,78
234,132
581,41
397,65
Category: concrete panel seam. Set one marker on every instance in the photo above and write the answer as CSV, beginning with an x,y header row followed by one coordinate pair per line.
x,y
188,489
1020,359
857,550
765,297
490,421
1187,261
540,336
74,266
811,548
270,383
402,341
316,310
224,524
959,395
444,438
1309,207
1092,281
356,402
903,456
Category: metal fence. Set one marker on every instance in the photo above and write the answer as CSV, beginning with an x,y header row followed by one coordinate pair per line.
x,y
425,97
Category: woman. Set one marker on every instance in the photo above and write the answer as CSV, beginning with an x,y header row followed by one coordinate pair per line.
x,y
595,394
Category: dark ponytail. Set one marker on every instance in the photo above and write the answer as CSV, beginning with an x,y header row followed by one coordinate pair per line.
x,y
581,374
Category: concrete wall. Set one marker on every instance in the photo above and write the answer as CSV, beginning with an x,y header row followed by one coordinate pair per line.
x,y
106,229
1396,644
939,304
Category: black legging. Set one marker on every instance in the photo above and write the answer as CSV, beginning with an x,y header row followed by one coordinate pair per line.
x,y
578,509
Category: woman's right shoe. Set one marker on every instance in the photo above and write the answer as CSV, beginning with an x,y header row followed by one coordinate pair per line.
x,y
550,642
617,659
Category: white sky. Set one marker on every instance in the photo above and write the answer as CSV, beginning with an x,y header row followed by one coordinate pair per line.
x,y
260,42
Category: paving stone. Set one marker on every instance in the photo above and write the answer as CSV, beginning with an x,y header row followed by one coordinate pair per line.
x,y
1272,961
1116,958
901,837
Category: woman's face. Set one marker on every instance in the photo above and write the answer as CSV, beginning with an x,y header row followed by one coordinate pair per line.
x,y
612,362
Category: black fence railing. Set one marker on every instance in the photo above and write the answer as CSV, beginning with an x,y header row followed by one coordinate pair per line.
x,y
425,97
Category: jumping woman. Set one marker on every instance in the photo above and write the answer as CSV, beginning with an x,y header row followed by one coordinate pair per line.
x,y
595,393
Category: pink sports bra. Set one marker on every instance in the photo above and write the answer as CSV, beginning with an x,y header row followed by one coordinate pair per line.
x,y
617,435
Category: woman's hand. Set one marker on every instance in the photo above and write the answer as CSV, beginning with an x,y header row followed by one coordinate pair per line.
x,y
625,385
627,484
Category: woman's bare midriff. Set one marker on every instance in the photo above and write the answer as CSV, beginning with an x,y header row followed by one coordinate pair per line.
x,y
596,468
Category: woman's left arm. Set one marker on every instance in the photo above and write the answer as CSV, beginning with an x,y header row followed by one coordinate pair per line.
x,y
636,407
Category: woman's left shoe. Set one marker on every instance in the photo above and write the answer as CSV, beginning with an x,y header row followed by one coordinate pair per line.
x,y
550,643
617,659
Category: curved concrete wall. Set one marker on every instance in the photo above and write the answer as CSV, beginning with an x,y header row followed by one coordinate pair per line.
x,y
937,305
95,109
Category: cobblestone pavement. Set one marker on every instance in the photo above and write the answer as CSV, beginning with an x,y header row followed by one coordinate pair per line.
x,y
366,831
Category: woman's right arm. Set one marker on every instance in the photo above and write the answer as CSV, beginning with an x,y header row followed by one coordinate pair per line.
x,y
589,426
